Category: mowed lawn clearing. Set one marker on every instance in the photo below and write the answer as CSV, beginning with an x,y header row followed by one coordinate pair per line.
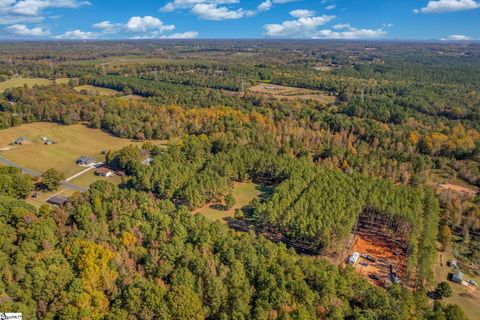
x,y
97,90
85,180
468,298
243,192
71,142
30,82
291,93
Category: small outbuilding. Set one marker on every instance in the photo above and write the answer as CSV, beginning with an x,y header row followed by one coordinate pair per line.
x,y
57,201
453,264
353,258
22,141
86,161
458,276
104,172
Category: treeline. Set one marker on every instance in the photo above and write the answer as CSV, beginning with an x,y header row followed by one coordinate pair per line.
x,y
310,204
14,183
401,152
461,70
168,93
121,254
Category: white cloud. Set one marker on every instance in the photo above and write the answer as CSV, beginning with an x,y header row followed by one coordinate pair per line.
x,y
23,11
183,35
299,13
77,35
331,7
351,33
35,7
262,7
212,12
147,23
342,26
303,27
308,27
439,6
187,4
146,27
24,31
220,9
108,26
457,37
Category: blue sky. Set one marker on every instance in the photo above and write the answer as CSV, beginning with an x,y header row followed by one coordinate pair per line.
x,y
304,19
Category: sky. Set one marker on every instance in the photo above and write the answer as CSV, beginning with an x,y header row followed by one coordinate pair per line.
x,y
448,20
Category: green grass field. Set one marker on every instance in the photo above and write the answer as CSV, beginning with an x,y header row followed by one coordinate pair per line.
x,y
468,298
131,97
86,179
30,82
71,143
42,197
97,90
243,192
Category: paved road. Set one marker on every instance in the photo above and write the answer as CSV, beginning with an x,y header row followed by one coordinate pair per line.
x,y
74,187
25,170
34,173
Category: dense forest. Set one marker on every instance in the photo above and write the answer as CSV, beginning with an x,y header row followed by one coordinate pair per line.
x,y
403,120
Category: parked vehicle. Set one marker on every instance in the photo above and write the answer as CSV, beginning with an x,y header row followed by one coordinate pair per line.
x,y
472,282
373,276
369,257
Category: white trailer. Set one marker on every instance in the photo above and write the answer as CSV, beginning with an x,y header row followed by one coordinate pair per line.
x,y
353,258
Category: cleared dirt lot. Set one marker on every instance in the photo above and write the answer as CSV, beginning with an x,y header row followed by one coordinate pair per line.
x,y
384,256
291,93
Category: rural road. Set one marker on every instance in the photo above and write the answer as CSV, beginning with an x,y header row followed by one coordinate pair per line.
x,y
34,173
25,170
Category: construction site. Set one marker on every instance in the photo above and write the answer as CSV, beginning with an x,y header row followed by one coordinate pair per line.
x,y
380,248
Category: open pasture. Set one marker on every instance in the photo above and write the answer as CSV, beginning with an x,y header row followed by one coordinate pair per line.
x,y
291,93
97,90
30,82
466,297
71,142
243,192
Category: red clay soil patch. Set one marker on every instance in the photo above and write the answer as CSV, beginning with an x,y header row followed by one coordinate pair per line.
x,y
385,257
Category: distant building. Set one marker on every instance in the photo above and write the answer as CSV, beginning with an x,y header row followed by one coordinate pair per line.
x,y
353,258
147,161
457,276
57,201
86,161
22,141
453,264
104,172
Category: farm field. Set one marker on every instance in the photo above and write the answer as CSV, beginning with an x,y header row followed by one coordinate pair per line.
x,y
71,142
466,297
97,90
243,192
30,82
291,93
